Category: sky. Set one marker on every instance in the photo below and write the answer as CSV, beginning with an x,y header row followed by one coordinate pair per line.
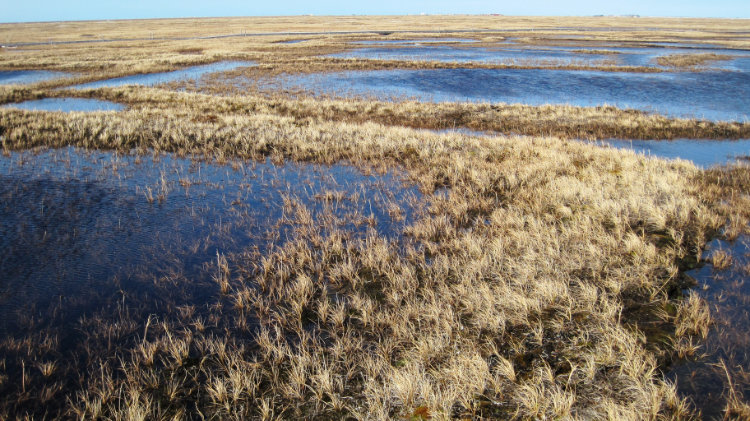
x,y
52,10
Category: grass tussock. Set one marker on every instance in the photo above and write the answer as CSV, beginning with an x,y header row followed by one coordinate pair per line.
x,y
544,278
691,60
514,119
518,294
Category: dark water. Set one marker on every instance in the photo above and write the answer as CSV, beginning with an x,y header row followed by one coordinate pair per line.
x,y
80,230
151,79
25,77
67,105
706,95
706,379
704,153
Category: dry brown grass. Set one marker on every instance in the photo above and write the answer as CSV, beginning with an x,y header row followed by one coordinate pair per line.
x,y
691,60
547,120
542,281
628,28
158,45
508,299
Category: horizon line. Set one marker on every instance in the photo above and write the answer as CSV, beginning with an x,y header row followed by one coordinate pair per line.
x,y
625,16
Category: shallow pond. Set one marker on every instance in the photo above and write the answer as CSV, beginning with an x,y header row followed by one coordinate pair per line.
x,y
541,55
705,95
80,230
150,79
452,53
25,77
67,105
703,153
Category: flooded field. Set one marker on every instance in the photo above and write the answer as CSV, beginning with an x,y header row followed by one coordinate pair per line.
x,y
25,77
67,105
328,256
703,95
151,79
86,235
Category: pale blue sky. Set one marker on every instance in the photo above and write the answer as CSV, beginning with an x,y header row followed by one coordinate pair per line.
x,y
46,10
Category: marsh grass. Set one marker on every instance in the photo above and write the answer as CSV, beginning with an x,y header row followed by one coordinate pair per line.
x,y
544,277
691,60
514,295
604,122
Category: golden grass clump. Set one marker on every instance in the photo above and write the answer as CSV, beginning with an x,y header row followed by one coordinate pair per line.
x,y
542,278
512,297
691,60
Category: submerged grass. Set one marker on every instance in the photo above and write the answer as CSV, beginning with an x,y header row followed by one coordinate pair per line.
x,y
544,279
523,292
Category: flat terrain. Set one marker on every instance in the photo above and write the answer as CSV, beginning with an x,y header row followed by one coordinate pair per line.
x,y
434,272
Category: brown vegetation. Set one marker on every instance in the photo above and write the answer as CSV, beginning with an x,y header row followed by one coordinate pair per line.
x,y
543,280
690,60
509,301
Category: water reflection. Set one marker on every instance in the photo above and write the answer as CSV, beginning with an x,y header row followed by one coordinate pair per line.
x,y
704,95
25,77
151,79
703,153
79,229
723,362
67,105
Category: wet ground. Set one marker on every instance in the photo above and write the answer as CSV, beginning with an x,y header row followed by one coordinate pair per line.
x,y
79,229
717,95
25,77
703,153
721,367
150,79
543,55
67,105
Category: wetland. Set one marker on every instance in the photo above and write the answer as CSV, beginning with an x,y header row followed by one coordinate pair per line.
x,y
535,219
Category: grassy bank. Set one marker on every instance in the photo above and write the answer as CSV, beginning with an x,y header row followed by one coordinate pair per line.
x,y
547,120
542,281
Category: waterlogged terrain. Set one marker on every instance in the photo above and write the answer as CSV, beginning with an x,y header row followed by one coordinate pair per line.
x,y
704,153
67,105
194,72
527,276
706,95
451,53
87,234
719,370
539,55
25,77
